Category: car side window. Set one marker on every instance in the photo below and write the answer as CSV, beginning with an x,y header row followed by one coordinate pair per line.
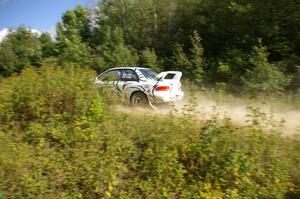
x,y
111,76
129,75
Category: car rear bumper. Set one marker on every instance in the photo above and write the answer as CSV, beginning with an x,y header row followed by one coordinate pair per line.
x,y
163,98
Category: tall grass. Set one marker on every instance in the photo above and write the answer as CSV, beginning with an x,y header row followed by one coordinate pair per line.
x,y
59,138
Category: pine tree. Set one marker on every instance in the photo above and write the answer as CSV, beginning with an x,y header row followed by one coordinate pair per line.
x,y
197,58
182,62
265,77
113,50
149,59
192,66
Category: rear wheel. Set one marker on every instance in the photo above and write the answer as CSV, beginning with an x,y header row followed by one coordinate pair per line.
x,y
139,99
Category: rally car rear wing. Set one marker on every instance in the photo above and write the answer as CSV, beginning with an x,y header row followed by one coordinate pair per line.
x,y
169,76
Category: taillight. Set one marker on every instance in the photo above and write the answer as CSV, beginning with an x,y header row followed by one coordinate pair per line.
x,y
162,88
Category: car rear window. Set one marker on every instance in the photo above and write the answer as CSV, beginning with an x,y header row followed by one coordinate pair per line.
x,y
148,73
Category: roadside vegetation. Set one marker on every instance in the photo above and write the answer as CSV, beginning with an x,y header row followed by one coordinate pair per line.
x,y
61,138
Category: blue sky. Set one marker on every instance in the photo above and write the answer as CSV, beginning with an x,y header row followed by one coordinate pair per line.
x,y
36,14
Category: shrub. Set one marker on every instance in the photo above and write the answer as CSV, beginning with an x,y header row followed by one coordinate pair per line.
x,y
265,77
59,138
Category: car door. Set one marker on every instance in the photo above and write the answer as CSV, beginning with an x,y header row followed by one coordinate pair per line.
x,y
109,80
129,83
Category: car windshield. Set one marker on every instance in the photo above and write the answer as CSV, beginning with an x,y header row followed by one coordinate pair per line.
x,y
148,73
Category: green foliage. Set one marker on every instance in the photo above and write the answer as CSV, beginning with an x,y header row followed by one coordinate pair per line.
x,y
74,51
265,77
222,24
39,93
181,59
114,51
229,69
115,32
197,58
74,22
48,46
72,35
18,50
149,59
60,139
229,30
144,23
191,66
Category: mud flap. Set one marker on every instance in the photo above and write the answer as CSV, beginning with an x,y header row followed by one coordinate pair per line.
x,y
152,105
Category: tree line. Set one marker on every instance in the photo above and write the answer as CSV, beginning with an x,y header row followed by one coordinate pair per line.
x,y
242,44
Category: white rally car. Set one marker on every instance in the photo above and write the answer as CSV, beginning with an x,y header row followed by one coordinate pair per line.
x,y
141,86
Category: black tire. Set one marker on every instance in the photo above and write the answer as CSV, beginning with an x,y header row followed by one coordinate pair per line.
x,y
139,99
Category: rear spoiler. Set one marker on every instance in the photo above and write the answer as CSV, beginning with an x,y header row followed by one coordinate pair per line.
x,y
169,75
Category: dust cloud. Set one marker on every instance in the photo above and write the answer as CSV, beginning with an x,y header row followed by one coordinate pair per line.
x,y
239,111
204,107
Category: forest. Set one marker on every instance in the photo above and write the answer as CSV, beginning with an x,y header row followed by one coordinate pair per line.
x,y
61,138
236,45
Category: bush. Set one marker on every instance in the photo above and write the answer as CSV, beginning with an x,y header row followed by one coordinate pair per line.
x,y
60,139
264,78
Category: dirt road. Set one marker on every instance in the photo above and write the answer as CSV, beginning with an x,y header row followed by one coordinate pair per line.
x,y
238,110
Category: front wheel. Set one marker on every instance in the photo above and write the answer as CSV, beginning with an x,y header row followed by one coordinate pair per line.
x,y
139,99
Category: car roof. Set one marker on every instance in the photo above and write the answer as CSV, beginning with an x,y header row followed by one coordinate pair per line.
x,y
129,67
119,68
